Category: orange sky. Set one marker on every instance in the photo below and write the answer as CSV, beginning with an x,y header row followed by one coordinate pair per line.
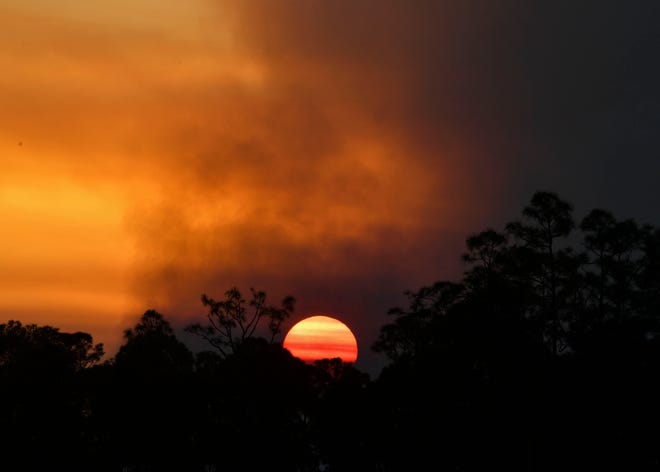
x,y
340,152
155,150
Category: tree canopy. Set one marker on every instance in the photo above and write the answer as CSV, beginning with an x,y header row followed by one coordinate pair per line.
x,y
544,354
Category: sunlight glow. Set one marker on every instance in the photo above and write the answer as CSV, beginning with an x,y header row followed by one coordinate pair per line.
x,y
321,337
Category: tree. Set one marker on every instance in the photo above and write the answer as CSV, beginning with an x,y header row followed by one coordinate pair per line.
x,y
230,321
615,249
32,348
485,251
151,348
252,408
484,368
410,333
43,396
546,221
148,400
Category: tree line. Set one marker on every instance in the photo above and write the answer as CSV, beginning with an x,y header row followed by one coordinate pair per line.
x,y
545,355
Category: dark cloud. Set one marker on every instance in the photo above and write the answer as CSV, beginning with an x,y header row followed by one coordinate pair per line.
x,y
385,132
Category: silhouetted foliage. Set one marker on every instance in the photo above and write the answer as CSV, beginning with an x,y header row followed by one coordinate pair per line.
x,y
152,349
230,321
149,390
410,335
36,349
547,221
543,356
43,401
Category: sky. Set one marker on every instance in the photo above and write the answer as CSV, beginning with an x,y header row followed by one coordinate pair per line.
x,y
337,151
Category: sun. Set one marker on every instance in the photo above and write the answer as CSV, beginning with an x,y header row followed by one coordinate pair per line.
x,y
321,337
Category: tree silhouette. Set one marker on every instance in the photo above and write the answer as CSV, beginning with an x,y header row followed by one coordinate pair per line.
x,y
544,355
43,396
253,407
410,334
151,348
233,320
44,348
547,221
486,366
148,400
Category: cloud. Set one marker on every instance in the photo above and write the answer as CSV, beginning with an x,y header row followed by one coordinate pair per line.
x,y
334,176
336,151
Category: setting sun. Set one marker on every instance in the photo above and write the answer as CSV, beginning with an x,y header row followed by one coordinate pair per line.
x,y
321,337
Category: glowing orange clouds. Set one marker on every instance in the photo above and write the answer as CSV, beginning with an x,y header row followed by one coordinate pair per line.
x,y
153,151
321,337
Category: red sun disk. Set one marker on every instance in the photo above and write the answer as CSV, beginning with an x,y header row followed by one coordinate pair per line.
x,y
321,337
